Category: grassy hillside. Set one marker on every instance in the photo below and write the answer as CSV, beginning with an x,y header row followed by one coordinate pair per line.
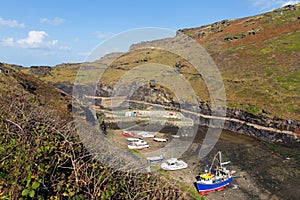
x,y
42,157
258,58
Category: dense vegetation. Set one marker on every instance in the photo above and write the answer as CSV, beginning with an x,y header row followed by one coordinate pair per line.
x,y
42,157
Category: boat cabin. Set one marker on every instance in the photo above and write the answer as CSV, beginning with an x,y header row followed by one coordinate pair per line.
x,y
172,161
206,178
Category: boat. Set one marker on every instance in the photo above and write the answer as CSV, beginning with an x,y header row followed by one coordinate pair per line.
x,y
133,139
138,144
214,179
160,139
155,159
145,134
127,134
173,164
171,116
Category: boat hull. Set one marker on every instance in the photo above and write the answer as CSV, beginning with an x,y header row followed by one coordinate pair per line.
x,y
155,159
207,188
138,147
160,139
180,165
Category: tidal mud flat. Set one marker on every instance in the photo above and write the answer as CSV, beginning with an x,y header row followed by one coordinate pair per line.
x,y
264,170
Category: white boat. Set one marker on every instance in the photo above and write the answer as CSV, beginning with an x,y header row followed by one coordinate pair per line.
x,y
133,139
155,159
145,134
160,139
173,164
138,144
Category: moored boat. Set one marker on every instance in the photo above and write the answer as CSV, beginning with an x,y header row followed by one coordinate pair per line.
x,y
155,159
214,179
127,134
160,139
145,134
138,144
173,164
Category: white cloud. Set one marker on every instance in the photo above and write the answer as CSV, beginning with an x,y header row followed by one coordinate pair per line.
x,y
34,40
103,35
11,23
272,4
54,22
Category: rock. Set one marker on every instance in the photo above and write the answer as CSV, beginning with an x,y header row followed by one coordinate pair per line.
x,y
40,70
179,65
228,39
289,8
265,112
202,34
234,186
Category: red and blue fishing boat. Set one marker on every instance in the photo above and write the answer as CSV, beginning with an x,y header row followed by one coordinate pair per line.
x,y
214,179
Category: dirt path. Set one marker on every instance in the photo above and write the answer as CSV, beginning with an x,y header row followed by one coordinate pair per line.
x,y
260,127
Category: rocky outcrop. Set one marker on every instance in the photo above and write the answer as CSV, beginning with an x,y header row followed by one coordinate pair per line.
x,y
9,68
147,44
204,31
64,86
285,9
261,126
40,71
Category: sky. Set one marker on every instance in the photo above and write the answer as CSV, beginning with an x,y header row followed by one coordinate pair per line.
x,y
51,32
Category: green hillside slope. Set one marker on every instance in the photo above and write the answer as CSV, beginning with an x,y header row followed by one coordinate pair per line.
x,y
42,157
258,58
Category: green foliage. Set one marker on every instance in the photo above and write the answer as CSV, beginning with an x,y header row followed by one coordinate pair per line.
x,y
42,157
232,50
290,81
253,109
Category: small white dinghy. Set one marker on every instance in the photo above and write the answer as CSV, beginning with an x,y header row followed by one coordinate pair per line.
x,y
155,159
160,139
133,139
145,134
138,144
173,164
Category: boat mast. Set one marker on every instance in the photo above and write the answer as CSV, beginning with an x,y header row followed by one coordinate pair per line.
x,y
220,159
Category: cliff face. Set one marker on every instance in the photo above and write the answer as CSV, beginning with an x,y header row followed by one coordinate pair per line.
x,y
261,126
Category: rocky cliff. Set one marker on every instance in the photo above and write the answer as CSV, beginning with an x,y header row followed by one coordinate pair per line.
x,y
261,125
